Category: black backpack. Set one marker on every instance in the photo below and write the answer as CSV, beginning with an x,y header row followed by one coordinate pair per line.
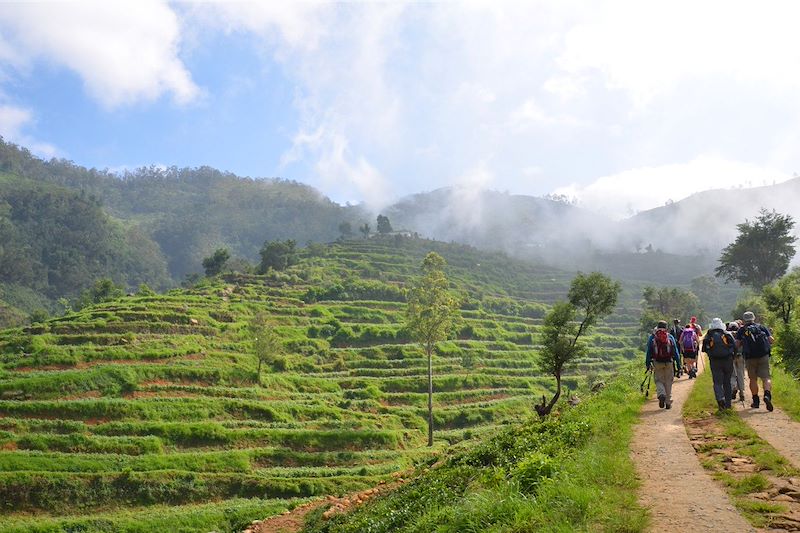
x,y
756,341
720,344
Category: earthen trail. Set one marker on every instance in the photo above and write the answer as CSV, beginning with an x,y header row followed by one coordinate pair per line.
x,y
675,487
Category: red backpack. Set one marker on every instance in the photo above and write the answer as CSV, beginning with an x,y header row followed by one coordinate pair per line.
x,y
662,348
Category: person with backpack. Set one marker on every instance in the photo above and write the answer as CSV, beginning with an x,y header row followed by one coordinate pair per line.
x,y
662,358
690,344
737,379
675,331
696,326
756,342
720,347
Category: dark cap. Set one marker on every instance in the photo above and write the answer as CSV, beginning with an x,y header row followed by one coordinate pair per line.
x,y
662,324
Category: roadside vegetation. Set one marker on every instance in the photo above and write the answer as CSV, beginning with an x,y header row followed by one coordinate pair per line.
x,y
568,472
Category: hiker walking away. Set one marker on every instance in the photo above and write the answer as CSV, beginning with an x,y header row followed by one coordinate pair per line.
x,y
696,326
737,379
720,347
756,341
676,331
690,344
662,357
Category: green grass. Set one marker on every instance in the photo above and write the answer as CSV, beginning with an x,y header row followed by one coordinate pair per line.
x,y
572,472
702,403
786,390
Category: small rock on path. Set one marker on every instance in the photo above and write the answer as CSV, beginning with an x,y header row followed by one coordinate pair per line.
x,y
675,487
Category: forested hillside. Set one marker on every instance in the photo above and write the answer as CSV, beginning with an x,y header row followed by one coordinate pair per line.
x,y
147,413
64,226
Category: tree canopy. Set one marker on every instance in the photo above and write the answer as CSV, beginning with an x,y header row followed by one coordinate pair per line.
x,y
667,303
383,225
761,252
277,255
214,263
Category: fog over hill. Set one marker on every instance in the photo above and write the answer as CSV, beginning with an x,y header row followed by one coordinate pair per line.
x,y
701,224
710,217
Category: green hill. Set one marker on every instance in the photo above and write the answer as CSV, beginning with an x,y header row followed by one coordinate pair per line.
x,y
62,226
144,413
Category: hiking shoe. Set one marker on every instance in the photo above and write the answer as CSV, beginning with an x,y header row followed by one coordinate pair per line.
x,y
721,404
661,402
768,400
669,404
755,404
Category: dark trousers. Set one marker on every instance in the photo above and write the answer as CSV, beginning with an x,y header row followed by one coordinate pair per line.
x,y
721,372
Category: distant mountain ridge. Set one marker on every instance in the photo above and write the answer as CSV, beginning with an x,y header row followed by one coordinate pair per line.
x,y
162,222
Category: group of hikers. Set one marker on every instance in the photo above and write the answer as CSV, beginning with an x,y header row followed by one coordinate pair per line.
x,y
731,348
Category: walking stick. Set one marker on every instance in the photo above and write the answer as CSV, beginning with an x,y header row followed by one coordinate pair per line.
x,y
648,374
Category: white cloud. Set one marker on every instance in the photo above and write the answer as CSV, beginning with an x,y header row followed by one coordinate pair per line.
x,y
353,176
14,121
293,25
625,193
124,52
646,49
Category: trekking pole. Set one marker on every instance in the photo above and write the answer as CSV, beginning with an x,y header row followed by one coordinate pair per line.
x,y
641,385
645,380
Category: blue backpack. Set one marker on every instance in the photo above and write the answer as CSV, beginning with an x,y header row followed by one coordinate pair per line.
x,y
756,341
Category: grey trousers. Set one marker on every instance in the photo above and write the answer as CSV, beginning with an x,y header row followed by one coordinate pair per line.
x,y
721,372
663,374
737,379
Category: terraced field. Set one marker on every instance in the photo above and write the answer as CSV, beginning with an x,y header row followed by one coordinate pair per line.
x,y
145,414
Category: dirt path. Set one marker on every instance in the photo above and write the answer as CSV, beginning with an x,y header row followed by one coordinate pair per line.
x,y
776,427
689,500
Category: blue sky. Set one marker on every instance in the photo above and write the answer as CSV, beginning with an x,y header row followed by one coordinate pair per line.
x,y
619,105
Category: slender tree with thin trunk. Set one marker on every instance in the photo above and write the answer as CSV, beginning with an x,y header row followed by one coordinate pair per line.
x,y
592,297
430,314
267,345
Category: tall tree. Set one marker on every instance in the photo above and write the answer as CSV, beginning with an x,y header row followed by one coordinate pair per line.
x,y
365,230
214,263
591,297
762,251
430,314
266,342
384,226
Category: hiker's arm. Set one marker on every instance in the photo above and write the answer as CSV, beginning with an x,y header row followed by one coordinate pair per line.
x,y
648,356
676,355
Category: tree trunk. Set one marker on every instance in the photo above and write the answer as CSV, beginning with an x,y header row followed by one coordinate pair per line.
x,y
258,376
544,410
430,395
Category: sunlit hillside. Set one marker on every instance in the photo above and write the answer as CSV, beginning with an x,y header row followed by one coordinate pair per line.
x,y
145,412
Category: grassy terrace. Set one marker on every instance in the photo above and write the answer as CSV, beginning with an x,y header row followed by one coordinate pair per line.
x,y
146,412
